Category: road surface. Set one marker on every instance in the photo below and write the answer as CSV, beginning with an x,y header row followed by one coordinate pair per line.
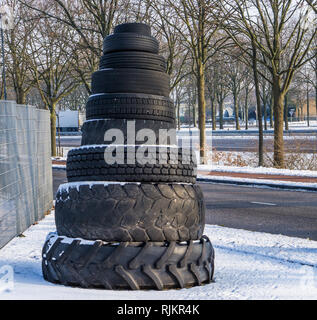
x,y
233,144
290,213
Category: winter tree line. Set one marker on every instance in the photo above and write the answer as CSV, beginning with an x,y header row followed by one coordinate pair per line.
x,y
261,53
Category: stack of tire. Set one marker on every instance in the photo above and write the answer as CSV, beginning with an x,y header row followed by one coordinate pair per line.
x,y
129,226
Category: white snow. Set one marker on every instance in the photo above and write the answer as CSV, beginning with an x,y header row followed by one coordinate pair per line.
x,y
66,186
249,265
273,183
258,170
253,137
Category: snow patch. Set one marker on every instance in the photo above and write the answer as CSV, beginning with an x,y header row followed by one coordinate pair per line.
x,y
66,186
259,170
248,265
299,185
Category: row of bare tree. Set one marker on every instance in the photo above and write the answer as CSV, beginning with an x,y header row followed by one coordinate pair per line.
x,y
248,49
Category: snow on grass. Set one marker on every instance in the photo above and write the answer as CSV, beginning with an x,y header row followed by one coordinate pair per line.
x,y
253,137
258,170
271,183
248,265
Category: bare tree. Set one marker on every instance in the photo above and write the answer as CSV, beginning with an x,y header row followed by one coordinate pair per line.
x,y
91,21
313,5
19,51
51,68
211,83
201,36
221,91
265,92
236,73
274,27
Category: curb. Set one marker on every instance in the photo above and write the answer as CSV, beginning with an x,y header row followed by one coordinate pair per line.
x,y
241,183
259,184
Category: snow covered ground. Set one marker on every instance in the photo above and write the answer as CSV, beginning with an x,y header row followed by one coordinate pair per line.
x,y
258,170
300,125
300,186
249,265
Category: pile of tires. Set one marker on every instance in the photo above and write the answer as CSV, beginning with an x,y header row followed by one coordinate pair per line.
x,y
131,215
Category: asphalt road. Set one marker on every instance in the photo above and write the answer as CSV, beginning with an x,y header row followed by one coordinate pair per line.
x,y
233,144
290,213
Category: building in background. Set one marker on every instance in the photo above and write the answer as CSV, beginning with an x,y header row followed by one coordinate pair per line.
x,y
70,121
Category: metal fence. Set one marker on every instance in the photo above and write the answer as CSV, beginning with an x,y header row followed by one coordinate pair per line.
x,y
25,168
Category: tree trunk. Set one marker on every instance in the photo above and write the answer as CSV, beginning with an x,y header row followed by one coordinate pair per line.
x,y
246,109
278,124
265,114
202,112
213,114
316,99
308,114
286,112
264,107
178,115
236,111
258,102
246,116
221,114
271,110
316,84
21,96
53,131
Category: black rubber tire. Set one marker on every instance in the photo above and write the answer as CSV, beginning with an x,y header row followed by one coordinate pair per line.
x,y
130,106
140,28
93,131
128,266
88,164
130,81
130,212
133,59
130,42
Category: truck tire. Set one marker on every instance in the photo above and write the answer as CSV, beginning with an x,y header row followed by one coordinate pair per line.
x,y
130,212
131,81
130,106
93,131
128,266
133,59
133,27
89,164
129,41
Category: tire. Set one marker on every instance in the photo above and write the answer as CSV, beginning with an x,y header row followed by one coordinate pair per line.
x,y
127,266
133,59
89,164
93,131
130,42
130,212
139,28
130,106
130,81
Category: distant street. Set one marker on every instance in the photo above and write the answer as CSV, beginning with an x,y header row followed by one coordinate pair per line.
x,y
234,144
265,210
